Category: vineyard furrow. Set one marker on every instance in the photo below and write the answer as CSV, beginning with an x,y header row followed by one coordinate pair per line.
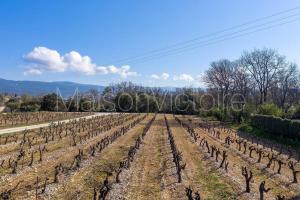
x,y
198,175
151,174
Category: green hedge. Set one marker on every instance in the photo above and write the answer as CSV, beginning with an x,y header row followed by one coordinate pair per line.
x,y
277,125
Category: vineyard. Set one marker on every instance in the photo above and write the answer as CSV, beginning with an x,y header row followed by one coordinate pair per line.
x,y
18,119
141,156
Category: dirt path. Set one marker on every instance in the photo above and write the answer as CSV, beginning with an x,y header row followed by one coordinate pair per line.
x,y
198,174
152,173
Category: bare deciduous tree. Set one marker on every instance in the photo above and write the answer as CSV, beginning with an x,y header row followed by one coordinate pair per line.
x,y
263,66
286,82
220,76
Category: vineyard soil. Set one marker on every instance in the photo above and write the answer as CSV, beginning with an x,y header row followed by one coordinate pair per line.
x,y
144,157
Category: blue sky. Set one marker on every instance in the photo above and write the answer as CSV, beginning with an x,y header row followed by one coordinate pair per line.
x,y
84,41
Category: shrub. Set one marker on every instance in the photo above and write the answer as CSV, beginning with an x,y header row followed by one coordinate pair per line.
x,y
13,105
293,112
270,109
2,100
276,125
242,114
52,102
30,107
218,113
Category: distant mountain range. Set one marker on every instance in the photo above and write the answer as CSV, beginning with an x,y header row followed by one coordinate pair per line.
x,y
65,88
39,88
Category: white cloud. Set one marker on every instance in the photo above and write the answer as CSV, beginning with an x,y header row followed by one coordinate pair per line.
x,y
183,77
76,62
124,71
42,59
102,70
163,76
47,59
33,71
112,69
154,76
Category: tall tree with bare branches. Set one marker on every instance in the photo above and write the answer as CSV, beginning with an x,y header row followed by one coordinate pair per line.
x,y
263,66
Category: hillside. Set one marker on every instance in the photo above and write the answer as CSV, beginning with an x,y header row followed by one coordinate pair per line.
x,y
38,87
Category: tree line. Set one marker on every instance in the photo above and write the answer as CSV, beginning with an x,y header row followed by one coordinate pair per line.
x,y
260,81
264,80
